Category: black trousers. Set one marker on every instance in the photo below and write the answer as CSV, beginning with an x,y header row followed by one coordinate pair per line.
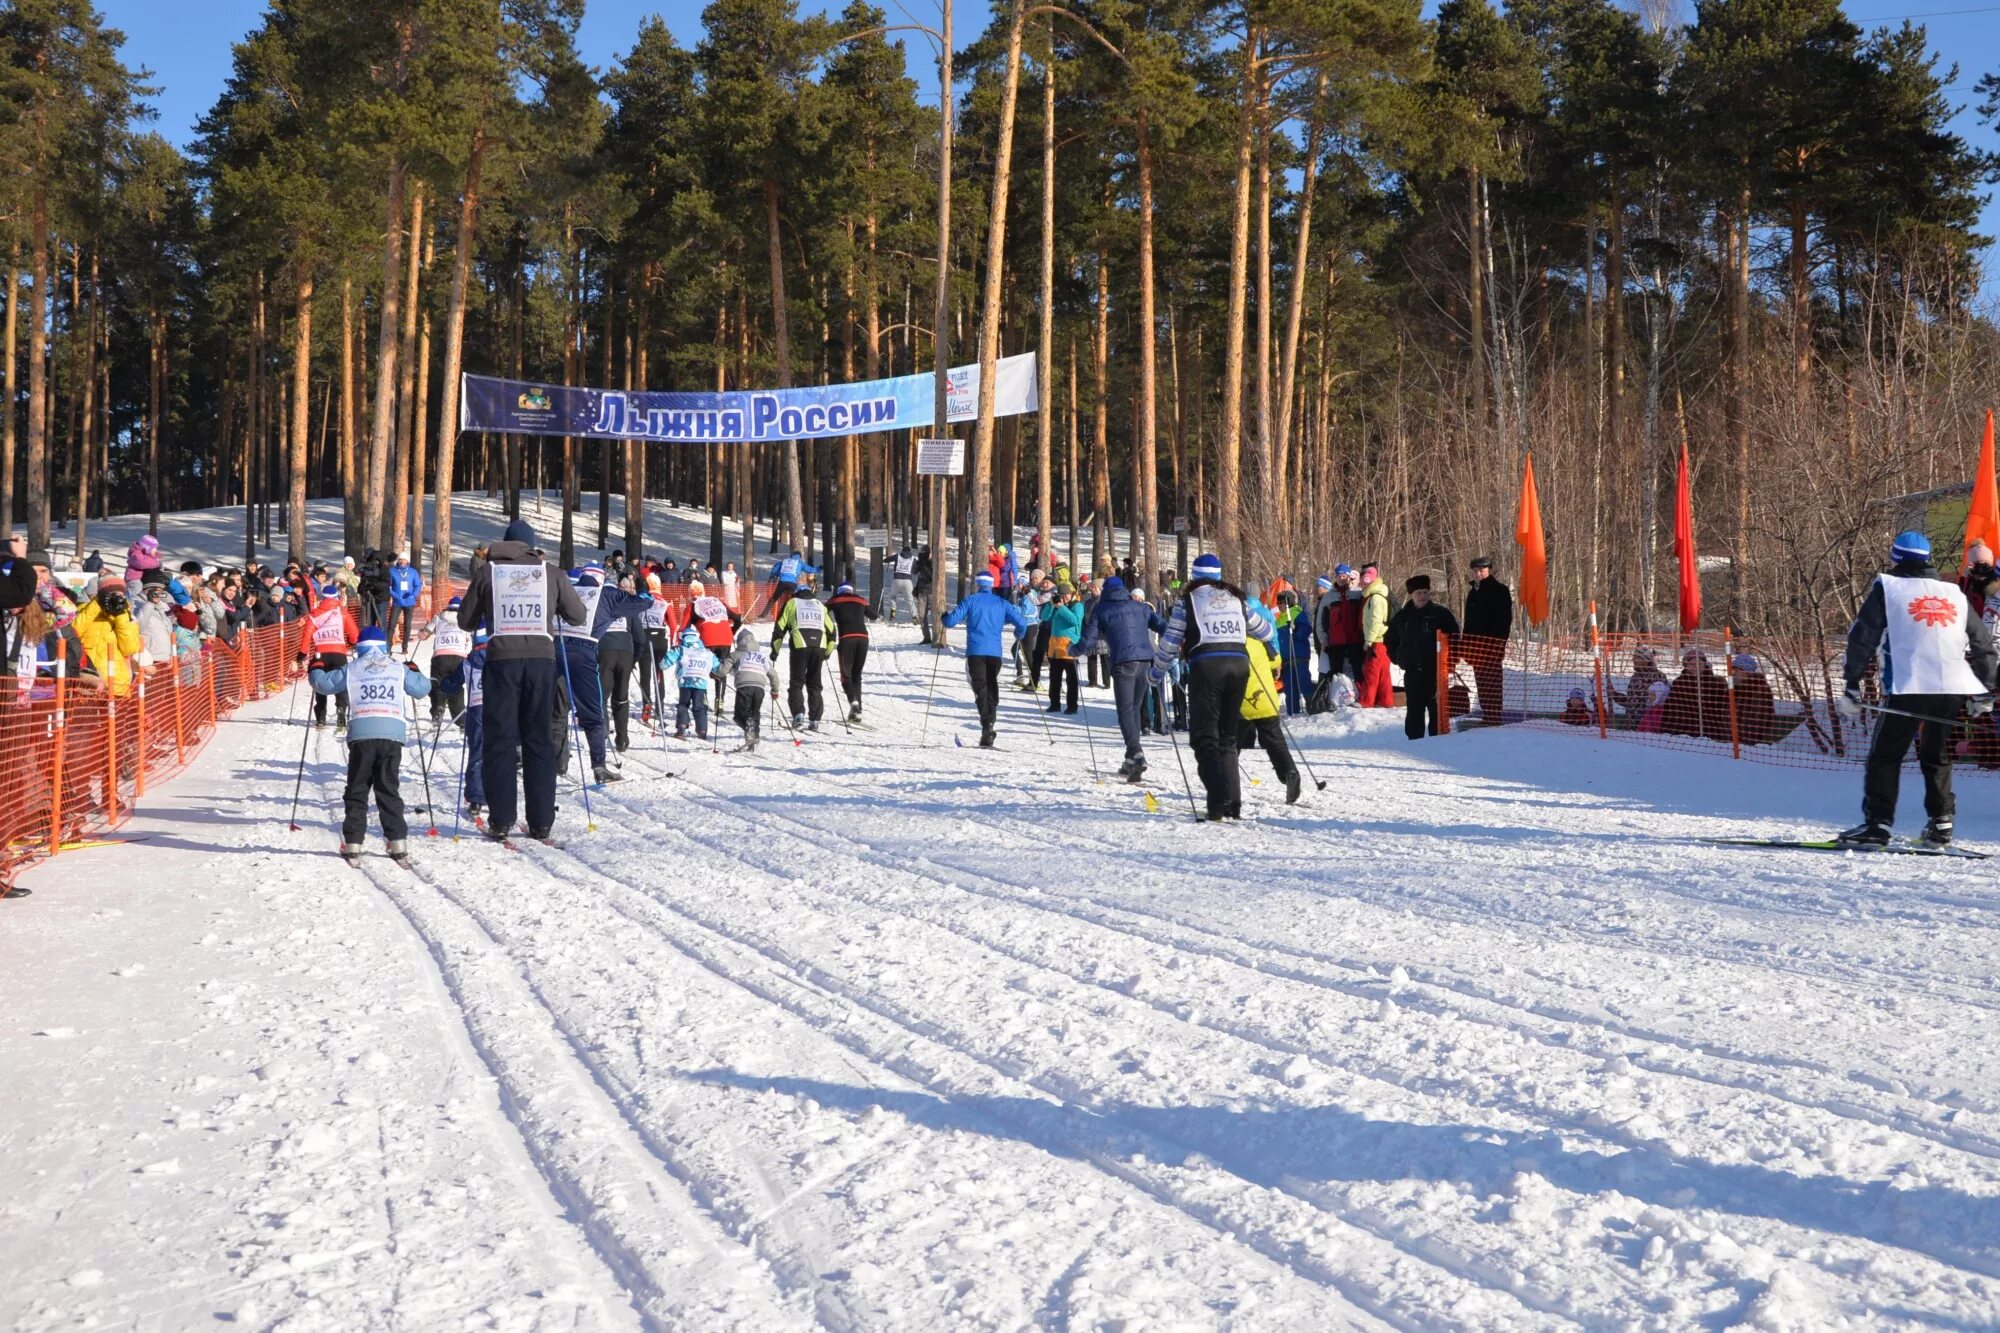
x,y
984,673
330,662
614,668
1420,704
1040,655
807,692
520,698
586,695
399,618
650,683
749,710
1062,670
373,767
1268,733
446,702
1893,735
853,655
1215,705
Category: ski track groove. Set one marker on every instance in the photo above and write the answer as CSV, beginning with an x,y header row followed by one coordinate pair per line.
x,y
1612,1136
802,973
600,1227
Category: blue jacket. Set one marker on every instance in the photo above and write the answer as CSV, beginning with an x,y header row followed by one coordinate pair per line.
x,y
983,614
404,584
1123,624
791,568
614,604
415,684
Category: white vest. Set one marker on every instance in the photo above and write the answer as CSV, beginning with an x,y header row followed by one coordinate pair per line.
x,y
1218,614
810,614
906,565
755,661
447,639
329,629
375,686
520,601
1924,649
710,609
588,594
696,666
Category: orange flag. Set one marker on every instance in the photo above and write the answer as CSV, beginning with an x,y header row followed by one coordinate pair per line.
x,y
1684,548
1533,591
1982,520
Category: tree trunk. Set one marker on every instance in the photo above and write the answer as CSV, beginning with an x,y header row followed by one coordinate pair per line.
x,y
1103,543
383,429
13,386
605,452
1801,297
301,419
781,345
636,333
38,378
1145,504
981,534
86,439
940,322
395,521
1267,479
1046,336
421,414
1296,299
352,498
1229,454
1475,301
1739,425
1072,484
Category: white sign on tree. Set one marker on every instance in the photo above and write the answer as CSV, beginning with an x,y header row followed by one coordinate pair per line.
x,y
940,458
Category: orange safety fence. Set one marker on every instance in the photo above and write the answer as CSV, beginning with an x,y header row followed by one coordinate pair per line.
x,y
77,753
1763,699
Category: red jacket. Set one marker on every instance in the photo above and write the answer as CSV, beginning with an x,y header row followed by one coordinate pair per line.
x,y
717,633
1340,620
328,613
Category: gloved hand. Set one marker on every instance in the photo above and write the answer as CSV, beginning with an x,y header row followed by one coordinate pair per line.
x,y
1849,703
1979,705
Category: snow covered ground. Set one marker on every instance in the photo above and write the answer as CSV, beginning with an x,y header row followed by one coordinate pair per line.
x,y
888,1032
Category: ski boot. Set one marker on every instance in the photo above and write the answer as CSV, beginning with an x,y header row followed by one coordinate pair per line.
x,y
854,713
1865,834
399,852
813,725
986,738
474,810
546,837
350,852
601,775
1293,788
798,721
1937,833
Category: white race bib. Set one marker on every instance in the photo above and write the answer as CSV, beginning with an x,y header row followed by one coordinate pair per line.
x,y
696,664
475,686
520,601
589,594
811,614
905,566
1926,643
656,614
1218,614
448,640
710,608
375,686
328,631
753,660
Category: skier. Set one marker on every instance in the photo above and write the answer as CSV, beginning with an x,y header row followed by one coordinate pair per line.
x,y
1376,690
327,639
471,679
802,627
983,614
902,583
449,645
694,666
711,620
519,596
374,684
851,614
1125,625
926,613
788,574
1412,638
653,686
1260,725
755,672
1210,626
1489,620
405,583
581,647
620,625
1935,656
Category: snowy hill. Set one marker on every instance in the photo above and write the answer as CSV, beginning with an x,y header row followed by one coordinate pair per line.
x,y
883,1031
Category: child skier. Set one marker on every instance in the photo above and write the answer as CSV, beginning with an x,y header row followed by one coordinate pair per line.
x,y
449,645
471,681
374,684
1259,713
695,666
755,672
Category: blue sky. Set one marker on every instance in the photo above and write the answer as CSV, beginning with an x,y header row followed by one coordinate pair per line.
x,y
186,45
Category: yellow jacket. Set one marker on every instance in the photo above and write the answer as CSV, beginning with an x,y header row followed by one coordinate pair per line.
x,y
108,643
1260,696
1374,612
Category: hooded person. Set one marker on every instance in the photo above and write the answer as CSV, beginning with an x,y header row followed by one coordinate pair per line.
x,y
1337,624
449,647
984,614
590,689
693,665
1260,726
1698,700
1576,709
1125,626
754,669
152,614
375,684
1210,627
1637,696
804,628
1652,716
471,680
1936,657
851,614
142,558
1060,633
109,638
519,597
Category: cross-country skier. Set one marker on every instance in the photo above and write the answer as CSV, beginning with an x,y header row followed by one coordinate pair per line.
x,y
693,666
1260,725
604,607
712,620
449,645
519,596
471,679
1935,656
374,684
803,627
755,671
1210,627
851,614
902,583
983,614
620,629
1126,626
326,640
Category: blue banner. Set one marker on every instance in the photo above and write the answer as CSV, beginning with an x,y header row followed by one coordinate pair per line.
x,y
907,402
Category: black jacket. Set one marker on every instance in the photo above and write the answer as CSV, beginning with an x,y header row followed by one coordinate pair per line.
x,y
1489,609
1412,636
851,614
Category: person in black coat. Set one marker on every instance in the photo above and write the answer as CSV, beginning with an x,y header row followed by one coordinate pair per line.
x,y
1489,620
1412,640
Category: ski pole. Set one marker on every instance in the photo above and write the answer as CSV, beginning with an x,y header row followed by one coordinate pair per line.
x,y
1318,781
299,782
576,733
1186,786
458,801
931,693
430,807
1089,739
1916,717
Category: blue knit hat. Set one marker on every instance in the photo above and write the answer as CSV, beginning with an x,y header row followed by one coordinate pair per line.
x,y
1323,583
1208,566
1340,571
1910,547
1111,585
372,638
983,581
